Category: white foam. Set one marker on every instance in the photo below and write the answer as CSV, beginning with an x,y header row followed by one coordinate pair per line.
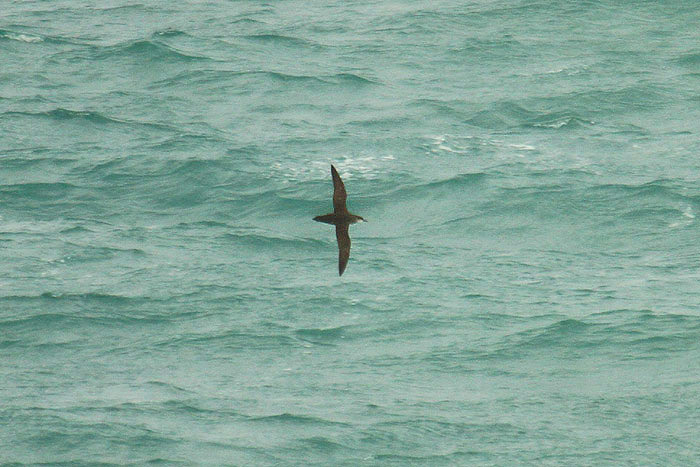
x,y
554,125
689,216
24,38
525,147
444,147
366,165
688,212
465,144
440,145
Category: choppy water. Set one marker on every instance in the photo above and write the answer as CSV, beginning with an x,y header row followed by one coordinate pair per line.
x,y
525,291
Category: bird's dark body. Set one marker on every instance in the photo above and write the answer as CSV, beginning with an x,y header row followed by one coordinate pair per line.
x,y
341,218
336,219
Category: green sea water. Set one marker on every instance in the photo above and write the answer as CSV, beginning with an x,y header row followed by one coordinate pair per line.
x,y
526,290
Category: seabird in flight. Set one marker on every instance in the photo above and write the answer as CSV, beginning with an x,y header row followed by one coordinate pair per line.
x,y
341,218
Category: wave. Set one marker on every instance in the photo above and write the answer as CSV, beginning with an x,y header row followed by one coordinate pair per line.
x,y
457,457
165,176
170,32
40,191
322,444
557,120
86,253
349,79
409,190
76,229
146,51
335,79
91,310
459,181
36,38
612,195
60,114
234,79
39,321
244,20
571,337
41,39
88,298
635,333
199,77
690,60
66,114
281,77
288,418
229,340
658,201
20,37
322,336
111,9
458,109
206,224
259,240
568,111
508,115
282,40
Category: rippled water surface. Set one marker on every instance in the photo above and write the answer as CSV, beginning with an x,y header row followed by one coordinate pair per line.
x,y
525,291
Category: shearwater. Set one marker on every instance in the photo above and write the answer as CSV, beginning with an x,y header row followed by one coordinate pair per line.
x,y
341,218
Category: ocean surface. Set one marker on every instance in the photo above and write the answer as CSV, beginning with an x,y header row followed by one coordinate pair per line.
x,y
526,290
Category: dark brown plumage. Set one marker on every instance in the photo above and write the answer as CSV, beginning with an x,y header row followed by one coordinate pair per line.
x,y
341,218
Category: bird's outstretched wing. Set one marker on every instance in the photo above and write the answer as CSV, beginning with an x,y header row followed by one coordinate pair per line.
x,y
339,195
341,233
